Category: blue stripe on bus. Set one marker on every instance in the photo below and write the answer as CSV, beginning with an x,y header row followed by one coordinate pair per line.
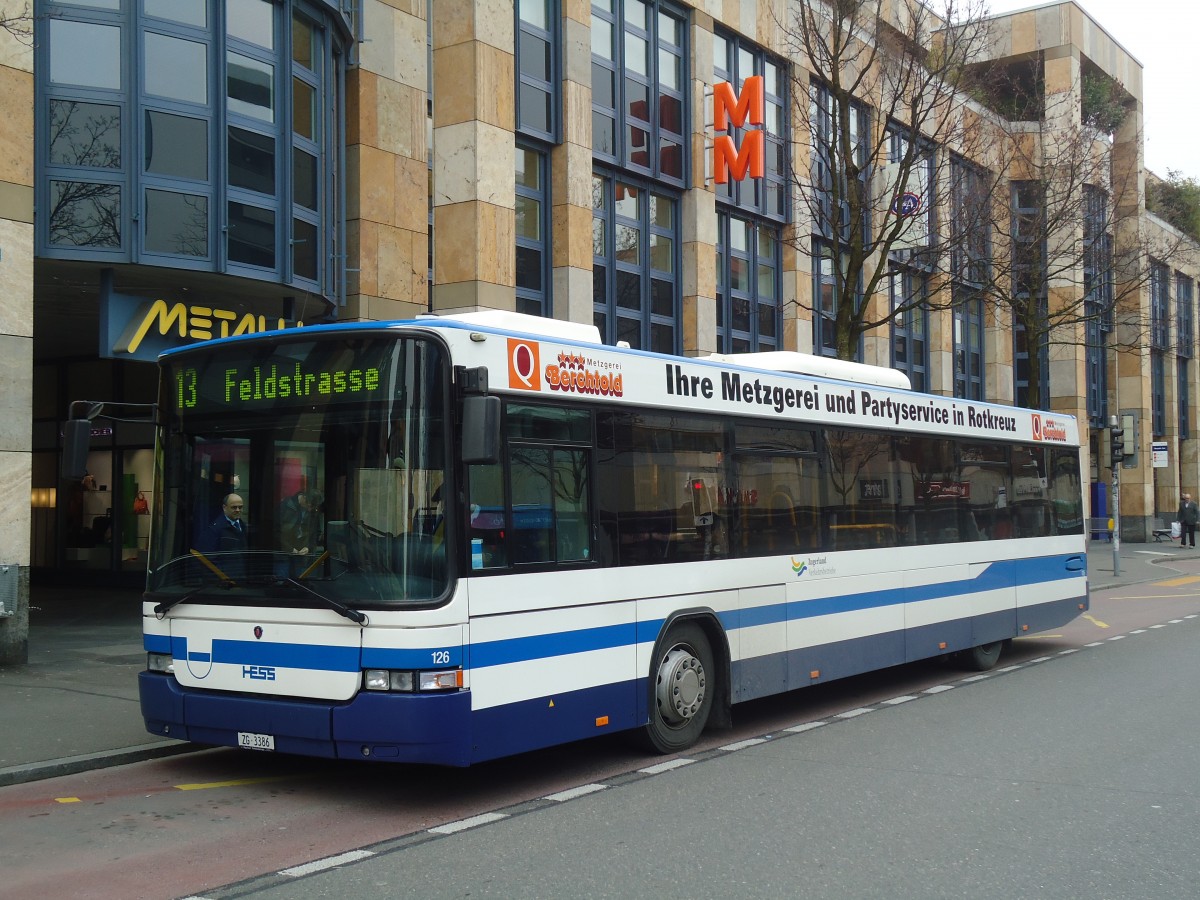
x,y
156,643
289,656
995,576
541,646
424,658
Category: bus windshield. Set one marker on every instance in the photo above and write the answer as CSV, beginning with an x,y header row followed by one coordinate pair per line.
x,y
302,469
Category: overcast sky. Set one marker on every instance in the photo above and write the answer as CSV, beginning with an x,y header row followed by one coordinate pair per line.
x,y
1164,36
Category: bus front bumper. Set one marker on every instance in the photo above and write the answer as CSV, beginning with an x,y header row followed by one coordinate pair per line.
x,y
390,727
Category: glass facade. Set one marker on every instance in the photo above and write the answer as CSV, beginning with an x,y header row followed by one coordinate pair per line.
x,y
1160,329
639,73
635,264
1098,300
908,292
533,233
748,285
199,135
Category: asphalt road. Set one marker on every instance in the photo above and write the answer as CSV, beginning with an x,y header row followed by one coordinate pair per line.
x,y
1074,778
1070,771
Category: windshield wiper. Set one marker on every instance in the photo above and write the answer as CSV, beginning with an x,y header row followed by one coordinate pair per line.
x,y
160,609
338,607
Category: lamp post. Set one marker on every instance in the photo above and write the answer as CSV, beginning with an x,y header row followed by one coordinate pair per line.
x,y
1117,456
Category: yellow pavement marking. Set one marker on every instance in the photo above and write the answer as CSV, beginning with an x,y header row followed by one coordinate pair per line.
x,y
1095,621
67,800
238,782
1176,582
1148,597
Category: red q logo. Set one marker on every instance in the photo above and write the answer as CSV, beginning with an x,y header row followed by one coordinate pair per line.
x,y
1037,428
524,365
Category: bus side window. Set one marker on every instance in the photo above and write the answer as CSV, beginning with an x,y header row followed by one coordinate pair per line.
x,y
486,517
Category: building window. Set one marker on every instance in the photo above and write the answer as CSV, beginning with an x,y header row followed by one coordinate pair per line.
x,y
970,223
195,136
910,325
1159,338
832,208
748,286
968,345
735,60
831,211
1098,300
639,72
1029,287
635,263
537,69
533,257
827,282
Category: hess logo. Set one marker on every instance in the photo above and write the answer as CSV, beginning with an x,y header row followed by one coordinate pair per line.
x,y
259,673
524,365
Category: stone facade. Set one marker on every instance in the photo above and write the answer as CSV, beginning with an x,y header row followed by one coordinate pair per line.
x,y
16,323
431,138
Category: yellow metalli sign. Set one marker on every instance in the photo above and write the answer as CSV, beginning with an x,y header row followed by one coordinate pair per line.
x,y
198,323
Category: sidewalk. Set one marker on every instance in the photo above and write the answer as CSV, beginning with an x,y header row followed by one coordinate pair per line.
x,y
74,706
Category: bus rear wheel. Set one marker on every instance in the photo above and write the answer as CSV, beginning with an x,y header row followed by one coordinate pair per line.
x,y
684,685
983,657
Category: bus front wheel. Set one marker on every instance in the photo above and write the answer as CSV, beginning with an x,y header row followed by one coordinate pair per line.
x,y
684,685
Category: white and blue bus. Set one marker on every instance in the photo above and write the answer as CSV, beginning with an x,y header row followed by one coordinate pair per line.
x,y
522,537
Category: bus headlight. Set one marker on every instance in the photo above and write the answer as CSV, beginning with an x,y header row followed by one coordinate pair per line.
x,y
406,682
160,662
387,680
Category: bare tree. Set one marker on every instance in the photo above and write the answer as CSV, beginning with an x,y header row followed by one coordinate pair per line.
x,y
1070,260
887,89
928,156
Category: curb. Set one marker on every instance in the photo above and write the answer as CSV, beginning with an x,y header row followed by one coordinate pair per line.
x,y
73,765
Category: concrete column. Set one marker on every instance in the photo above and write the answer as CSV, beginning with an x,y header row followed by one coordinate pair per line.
x,y
1129,369
798,299
474,260
16,330
699,209
1060,142
387,176
571,172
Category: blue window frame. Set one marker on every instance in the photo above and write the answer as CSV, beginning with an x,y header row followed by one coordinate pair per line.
x,y
968,345
533,233
639,76
910,327
1159,339
197,135
748,284
970,223
635,263
830,223
826,283
1098,300
537,69
1185,325
1029,286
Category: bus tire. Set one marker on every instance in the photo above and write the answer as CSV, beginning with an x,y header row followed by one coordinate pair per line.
x,y
983,657
683,682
